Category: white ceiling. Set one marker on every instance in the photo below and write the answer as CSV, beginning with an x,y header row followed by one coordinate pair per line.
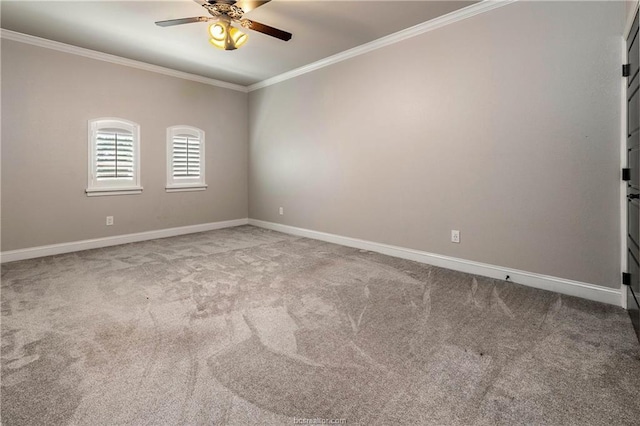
x,y
126,28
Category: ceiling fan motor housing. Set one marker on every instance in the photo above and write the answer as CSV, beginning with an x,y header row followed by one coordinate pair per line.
x,y
219,9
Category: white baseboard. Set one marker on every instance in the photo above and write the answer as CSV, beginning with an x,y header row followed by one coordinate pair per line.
x,y
530,279
53,249
545,282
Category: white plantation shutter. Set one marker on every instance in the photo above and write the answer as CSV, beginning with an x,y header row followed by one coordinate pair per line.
x,y
114,155
185,159
114,163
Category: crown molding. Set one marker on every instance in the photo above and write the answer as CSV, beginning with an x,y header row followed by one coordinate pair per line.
x,y
416,30
100,56
441,21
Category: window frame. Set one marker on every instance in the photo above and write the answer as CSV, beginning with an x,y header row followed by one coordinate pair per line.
x,y
185,184
112,187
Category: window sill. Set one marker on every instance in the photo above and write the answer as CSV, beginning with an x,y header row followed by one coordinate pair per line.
x,y
101,192
175,188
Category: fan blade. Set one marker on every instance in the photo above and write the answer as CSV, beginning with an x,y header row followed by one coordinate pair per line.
x,y
249,5
171,22
265,29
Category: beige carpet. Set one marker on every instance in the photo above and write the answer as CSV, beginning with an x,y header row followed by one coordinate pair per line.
x,y
247,326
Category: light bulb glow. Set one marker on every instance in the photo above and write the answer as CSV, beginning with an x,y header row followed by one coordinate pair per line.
x,y
217,43
226,37
239,38
218,31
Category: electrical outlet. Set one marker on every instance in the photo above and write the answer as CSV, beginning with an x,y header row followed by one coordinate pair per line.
x,y
455,236
281,211
109,220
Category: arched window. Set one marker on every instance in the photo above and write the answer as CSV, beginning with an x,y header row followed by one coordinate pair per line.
x,y
185,159
114,157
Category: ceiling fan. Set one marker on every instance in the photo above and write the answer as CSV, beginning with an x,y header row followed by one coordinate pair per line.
x,y
223,14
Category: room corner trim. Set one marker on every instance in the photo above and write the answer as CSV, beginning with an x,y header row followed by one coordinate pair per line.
x,y
623,163
433,24
53,249
100,56
530,279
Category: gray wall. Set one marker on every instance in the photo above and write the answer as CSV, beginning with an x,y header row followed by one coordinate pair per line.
x,y
47,98
505,126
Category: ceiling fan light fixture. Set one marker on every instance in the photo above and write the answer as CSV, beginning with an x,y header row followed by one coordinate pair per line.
x,y
225,12
218,44
226,37
238,37
218,31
